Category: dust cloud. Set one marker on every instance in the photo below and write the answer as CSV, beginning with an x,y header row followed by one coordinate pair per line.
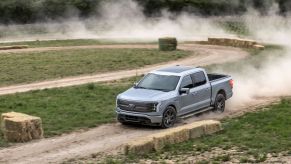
x,y
270,76
123,20
126,21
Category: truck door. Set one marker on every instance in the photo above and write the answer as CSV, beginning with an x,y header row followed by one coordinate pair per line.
x,y
186,100
201,91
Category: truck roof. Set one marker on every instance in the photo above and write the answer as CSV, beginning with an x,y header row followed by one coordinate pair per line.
x,y
177,70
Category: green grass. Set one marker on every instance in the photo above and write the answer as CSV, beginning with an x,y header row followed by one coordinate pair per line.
x,y
261,132
69,42
257,134
18,68
67,109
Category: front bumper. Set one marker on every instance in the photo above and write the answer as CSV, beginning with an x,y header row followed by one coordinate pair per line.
x,y
139,118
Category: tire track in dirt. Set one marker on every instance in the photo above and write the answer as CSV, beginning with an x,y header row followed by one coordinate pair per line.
x,y
202,55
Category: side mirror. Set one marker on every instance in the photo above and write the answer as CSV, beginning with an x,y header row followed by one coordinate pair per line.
x,y
135,84
184,91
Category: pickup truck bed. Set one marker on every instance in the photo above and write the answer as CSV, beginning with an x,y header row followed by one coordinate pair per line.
x,y
219,82
214,77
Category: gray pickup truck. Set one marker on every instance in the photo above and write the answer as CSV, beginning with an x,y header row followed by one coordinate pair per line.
x,y
165,94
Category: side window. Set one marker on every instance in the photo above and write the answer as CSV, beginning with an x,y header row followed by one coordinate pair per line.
x,y
187,82
199,79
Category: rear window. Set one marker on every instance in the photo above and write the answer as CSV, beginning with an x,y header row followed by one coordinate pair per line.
x,y
198,79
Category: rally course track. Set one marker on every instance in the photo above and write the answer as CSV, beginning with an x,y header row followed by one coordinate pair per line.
x,y
107,138
202,55
110,137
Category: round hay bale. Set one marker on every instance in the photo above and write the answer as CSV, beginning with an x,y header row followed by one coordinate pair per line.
x,y
168,44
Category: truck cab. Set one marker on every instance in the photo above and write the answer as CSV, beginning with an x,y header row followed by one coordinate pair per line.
x,y
165,94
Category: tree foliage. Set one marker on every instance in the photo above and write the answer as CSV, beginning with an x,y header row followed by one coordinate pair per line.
x,y
28,11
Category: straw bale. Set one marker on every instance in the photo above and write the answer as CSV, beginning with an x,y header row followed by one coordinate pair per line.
x,y
260,47
140,146
19,127
171,136
211,127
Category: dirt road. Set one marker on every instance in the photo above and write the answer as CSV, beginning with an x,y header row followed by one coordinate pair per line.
x,y
105,138
110,137
202,55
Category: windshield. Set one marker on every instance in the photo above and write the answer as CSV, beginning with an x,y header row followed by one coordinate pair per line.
x,y
159,82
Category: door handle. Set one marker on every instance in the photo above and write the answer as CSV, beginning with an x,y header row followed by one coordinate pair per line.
x,y
207,89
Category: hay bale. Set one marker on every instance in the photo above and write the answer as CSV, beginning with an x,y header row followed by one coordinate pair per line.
x,y
243,43
259,47
167,47
18,127
140,146
171,136
196,129
13,47
168,44
211,127
13,136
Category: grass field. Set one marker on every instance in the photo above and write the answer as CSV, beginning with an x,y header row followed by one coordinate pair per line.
x,y
37,66
254,135
69,42
71,108
67,109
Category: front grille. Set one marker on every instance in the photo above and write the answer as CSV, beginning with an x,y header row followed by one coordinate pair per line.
x,y
137,119
136,106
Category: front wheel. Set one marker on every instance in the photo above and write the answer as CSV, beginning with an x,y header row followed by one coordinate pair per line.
x,y
169,117
219,104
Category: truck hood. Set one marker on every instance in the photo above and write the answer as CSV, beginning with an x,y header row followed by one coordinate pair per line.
x,y
138,94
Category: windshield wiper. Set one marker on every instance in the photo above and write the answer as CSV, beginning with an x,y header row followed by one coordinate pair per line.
x,y
164,90
140,87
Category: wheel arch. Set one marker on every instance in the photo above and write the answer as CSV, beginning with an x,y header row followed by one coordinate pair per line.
x,y
172,105
222,91
213,99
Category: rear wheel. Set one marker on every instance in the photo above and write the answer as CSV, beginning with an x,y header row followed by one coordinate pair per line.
x,y
169,117
219,105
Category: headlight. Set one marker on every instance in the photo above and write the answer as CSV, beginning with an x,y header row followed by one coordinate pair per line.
x,y
153,106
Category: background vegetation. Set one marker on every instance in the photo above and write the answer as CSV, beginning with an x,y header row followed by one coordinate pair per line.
x,y
29,11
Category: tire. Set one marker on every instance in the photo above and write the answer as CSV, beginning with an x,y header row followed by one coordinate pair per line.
x,y
169,117
219,105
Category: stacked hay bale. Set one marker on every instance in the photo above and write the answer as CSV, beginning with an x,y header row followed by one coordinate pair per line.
x,y
158,141
168,44
18,127
242,43
259,47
